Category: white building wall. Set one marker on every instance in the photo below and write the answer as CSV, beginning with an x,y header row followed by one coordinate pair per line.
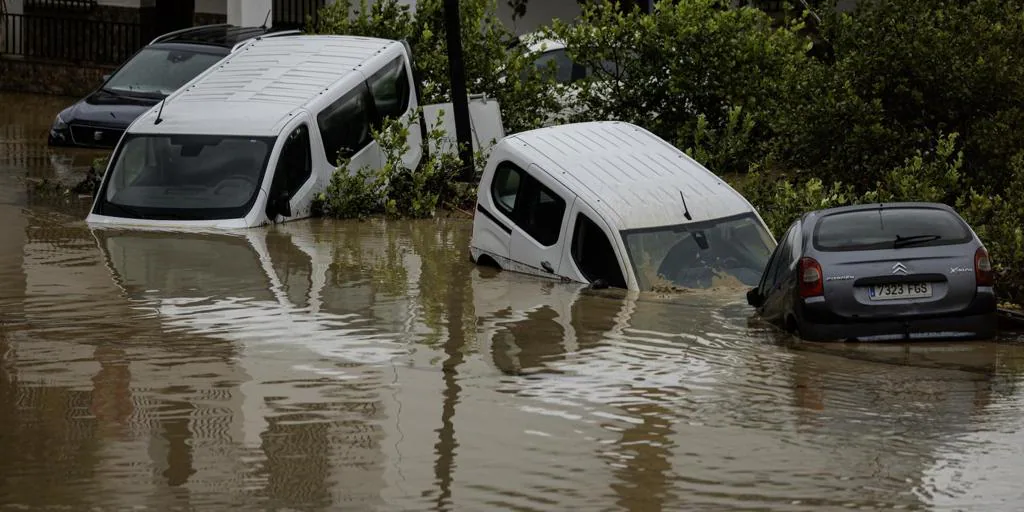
x,y
212,6
250,13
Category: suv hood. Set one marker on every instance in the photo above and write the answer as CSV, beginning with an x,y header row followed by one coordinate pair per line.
x,y
108,109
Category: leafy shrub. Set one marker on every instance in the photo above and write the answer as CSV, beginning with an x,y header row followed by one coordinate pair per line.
x,y
687,71
491,67
904,70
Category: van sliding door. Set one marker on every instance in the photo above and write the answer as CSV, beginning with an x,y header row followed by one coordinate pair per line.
x,y
541,214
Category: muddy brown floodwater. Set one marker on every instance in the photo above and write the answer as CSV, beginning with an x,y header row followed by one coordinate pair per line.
x,y
369,366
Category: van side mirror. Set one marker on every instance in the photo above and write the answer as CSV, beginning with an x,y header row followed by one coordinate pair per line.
x,y
754,298
284,204
279,203
598,284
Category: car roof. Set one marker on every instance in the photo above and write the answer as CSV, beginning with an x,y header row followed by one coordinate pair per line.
x,y
538,41
628,175
255,89
222,35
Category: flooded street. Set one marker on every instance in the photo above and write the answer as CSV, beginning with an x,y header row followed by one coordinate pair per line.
x,y
323,365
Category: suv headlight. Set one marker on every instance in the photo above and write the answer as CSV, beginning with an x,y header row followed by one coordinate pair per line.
x,y
59,124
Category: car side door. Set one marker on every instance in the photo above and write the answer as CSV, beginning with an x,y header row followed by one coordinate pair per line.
x,y
538,220
346,130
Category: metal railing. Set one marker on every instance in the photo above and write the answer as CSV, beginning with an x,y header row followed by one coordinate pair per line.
x,y
64,5
77,40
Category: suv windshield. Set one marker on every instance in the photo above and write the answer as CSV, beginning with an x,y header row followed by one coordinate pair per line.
x,y
728,252
160,71
194,177
889,228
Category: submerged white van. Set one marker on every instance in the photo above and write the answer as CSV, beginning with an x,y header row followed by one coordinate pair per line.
x,y
611,204
256,137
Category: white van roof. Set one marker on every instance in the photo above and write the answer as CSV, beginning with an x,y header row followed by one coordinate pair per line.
x,y
629,175
255,88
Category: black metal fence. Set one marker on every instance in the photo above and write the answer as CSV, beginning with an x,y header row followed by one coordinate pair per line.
x,y
64,5
291,14
68,39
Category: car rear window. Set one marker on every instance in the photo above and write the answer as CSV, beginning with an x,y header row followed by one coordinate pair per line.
x,y
889,228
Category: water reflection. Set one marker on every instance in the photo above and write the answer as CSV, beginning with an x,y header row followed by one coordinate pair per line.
x,y
370,365
26,120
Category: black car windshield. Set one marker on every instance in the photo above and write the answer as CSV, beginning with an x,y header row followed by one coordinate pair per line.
x,y
728,252
191,177
160,71
889,228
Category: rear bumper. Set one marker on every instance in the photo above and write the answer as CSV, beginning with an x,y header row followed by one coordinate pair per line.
x,y
969,327
977,321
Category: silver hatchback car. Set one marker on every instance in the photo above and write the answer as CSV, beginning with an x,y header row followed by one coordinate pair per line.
x,y
879,272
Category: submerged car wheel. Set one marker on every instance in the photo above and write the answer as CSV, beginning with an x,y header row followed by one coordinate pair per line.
x,y
791,325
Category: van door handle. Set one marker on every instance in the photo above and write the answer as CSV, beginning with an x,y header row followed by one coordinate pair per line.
x,y
547,267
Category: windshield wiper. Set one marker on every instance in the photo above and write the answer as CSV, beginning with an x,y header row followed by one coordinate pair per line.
x,y
904,241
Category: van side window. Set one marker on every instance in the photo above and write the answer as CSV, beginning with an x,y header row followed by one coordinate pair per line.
x,y
594,254
390,88
295,165
505,187
536,209
345,124
542,212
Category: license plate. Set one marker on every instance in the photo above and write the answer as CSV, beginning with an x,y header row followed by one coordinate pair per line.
x,y
900,291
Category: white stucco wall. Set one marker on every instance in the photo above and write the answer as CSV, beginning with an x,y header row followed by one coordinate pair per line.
x,y
538,14
212,6
249,13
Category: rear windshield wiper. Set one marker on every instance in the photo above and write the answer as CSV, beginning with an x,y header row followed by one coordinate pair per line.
x,y
904,241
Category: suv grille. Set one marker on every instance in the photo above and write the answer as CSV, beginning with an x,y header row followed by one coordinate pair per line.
x,y
95,136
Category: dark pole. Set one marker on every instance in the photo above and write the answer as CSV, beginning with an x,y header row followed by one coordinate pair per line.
x,y
460,98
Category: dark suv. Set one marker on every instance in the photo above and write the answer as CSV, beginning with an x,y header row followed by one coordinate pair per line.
x,y
158,69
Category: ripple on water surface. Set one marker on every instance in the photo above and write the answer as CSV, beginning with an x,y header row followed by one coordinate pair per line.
x,y
326,365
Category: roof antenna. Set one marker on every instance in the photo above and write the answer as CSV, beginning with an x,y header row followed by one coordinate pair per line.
x,y
686,210
265,20
159,112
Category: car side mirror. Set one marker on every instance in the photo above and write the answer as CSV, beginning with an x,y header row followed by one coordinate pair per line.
x,y
754,298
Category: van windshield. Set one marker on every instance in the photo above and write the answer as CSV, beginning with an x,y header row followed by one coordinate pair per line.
x,y
727,252
185,177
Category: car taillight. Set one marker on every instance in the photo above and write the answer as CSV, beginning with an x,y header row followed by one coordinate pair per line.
x,y
983,268
811,284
